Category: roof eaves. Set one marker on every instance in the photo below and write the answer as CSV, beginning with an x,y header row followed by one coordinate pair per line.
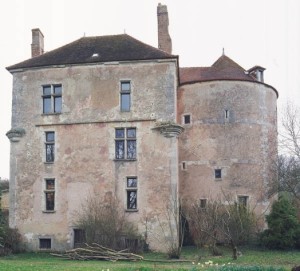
x,y
36,67
211,80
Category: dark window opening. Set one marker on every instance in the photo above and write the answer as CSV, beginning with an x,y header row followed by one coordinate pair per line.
x,y
50,195
243,201
49,201
79,238
226,114
218,173
183,166
45,243
187,119
125,143
203,203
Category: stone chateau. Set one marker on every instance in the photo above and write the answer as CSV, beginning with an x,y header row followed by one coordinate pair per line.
x,y
110,116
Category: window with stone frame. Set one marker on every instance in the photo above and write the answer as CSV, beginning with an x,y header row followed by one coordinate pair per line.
x,y
52,99
203,203
187,119
218,174
49,194
131,193
49,145
125,96
45,243
243,201
125,143
79,238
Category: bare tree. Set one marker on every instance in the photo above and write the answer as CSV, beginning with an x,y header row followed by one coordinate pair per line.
x,y
222,220
289,145
104,222
290,134
171,228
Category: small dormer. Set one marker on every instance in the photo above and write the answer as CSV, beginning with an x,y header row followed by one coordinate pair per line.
x,y
257,72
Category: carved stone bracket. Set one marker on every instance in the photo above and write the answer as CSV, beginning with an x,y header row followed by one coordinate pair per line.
x,y
15,134
169,129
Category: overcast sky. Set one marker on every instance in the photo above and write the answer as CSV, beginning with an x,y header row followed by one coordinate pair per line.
x,y
257,32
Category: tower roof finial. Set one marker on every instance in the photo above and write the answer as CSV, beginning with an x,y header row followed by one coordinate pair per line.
x,y
223,52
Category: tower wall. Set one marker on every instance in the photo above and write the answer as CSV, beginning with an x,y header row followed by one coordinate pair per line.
x,y
233,129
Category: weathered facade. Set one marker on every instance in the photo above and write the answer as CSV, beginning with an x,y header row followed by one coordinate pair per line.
x,y
234,118
111,116
4,197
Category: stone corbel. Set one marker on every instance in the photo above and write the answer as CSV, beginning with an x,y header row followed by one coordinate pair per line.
x,y
169,129
15,134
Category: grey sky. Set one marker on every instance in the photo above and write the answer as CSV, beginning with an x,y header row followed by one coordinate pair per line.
x,y
259,32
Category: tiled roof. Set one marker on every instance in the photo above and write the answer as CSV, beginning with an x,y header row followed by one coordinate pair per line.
x,y
223,69
96,49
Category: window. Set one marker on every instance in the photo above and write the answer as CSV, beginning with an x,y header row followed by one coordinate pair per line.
x,y
50,140
79,238
218,173
49,194
52,99
203,203
131,191
243,201
226,114
45,243
125,143
183,166
187,119
125,96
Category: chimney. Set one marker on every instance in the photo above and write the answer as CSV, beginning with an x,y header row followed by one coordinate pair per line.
x,y
37,46
164,39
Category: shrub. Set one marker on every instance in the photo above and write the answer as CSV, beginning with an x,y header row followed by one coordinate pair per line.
x,y
104,223
250,268
10,239
284,227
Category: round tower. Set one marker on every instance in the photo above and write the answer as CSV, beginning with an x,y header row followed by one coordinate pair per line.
x,y
228,148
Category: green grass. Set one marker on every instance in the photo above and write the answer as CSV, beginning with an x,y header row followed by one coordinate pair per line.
x,y
251,260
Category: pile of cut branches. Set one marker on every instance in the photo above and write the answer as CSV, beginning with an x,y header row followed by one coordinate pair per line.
x,y
98,252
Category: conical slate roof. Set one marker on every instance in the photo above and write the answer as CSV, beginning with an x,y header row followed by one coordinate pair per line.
x,y
96,49
223,69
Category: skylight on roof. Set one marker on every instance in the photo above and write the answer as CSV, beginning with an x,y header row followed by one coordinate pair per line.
x,y
95,55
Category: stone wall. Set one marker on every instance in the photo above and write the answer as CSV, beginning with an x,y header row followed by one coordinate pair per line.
x,y
85,163
233,129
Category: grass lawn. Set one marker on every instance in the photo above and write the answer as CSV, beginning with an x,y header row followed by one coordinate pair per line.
x,y
196,261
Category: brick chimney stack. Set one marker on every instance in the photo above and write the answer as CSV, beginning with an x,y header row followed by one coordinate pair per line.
x,y
37,46
164,39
